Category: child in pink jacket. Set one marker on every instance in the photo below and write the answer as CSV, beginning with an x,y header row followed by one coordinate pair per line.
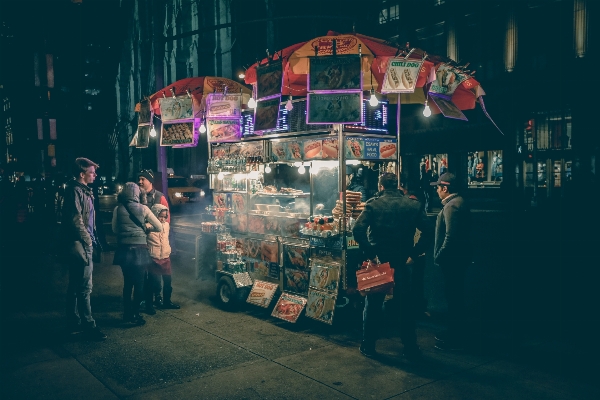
x,y
160,251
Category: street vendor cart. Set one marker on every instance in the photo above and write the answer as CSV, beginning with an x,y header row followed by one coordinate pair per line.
x,y
280,227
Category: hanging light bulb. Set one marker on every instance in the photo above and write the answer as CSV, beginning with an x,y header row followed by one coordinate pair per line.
x,y
426,110
242,75
373,101
153,131
301,169
268,168
288,105
251,103
220,176
203,127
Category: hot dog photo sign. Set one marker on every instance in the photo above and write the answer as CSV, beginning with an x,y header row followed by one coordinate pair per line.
x,y
401,76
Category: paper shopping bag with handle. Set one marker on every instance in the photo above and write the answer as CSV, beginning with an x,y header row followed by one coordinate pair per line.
x,y
374,277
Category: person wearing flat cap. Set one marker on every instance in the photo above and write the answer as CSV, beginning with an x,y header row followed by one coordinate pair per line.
x,y
452,253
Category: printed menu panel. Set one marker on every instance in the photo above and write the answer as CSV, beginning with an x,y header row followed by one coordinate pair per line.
x,y
335,73
325,277
262,293
447,79
320,306
269,79
289,307
334,108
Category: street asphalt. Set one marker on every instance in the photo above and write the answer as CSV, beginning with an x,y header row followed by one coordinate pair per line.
x,y
204,352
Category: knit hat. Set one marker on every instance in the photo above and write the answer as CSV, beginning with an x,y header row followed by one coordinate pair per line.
x,y
148,174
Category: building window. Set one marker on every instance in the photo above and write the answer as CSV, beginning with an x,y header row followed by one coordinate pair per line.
x,y
50,70
390,13
52,129
438,2
40,129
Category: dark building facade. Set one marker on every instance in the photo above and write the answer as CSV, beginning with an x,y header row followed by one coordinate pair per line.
x,y
529,57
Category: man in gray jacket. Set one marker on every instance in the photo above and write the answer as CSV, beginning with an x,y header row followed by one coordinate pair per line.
x,y
78,230
452,253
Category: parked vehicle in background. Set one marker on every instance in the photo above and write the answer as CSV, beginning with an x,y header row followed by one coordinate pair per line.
x,y
180,191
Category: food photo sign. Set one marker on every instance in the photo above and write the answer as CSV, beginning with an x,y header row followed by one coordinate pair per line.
x,y
447,79
269,80
262,293
289,307
370,149
223,130
219,105
182,134
143,137
266,115
447,107
334,108
325,277
341,73
176,108
401,76
320,306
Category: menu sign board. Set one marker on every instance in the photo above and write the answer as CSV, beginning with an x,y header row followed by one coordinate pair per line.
x,y
269,80
145,116
266,116
335,73
401,76
176,108
370,149
334,108
312,149
289,307
320,306
143,137
447,79
219,105
262,293
223,130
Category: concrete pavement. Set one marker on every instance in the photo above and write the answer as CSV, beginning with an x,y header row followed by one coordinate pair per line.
x,y
202,352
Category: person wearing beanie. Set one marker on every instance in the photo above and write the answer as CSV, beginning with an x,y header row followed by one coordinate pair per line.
x,y
153,196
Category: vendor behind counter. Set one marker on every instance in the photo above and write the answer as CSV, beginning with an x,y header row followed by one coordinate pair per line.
x,y
354,181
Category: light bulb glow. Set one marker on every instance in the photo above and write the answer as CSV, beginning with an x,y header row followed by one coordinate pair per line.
x,y
220,176
301,169
242,75
202,127
288,105
267,169
427,111
373,101
251,103
153,131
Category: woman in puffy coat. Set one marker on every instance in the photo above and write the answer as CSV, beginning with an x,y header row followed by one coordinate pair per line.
x,y
160,269
131,222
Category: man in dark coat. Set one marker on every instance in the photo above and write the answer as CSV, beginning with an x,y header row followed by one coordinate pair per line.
x,y
78,231
386,229
452,253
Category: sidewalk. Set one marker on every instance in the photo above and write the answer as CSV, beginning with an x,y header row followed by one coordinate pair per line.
x,y
201,352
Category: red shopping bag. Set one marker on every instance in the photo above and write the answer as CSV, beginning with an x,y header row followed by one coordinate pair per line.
x,y
374,277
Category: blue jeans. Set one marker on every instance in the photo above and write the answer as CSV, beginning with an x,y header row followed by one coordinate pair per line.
x,y
79,309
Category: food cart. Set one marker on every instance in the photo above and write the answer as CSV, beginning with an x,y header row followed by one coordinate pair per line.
x,y
280,227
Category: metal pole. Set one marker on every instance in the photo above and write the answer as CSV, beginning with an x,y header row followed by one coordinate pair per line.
x,y
399,158
161,153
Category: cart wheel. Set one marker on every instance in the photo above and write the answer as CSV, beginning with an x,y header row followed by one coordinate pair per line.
x,y
226,292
